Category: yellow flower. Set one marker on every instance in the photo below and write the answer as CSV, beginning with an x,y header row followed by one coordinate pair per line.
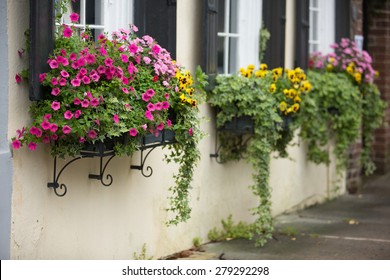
x,y
251,67
261,73
329,67
291,93
283,106
272,88
263,66
358,77
295,107
307,86
377,73
278,71
297,99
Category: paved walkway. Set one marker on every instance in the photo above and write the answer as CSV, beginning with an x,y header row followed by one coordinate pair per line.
x,y
349,227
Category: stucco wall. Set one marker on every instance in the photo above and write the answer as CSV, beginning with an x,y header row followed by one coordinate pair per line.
x,y
95,222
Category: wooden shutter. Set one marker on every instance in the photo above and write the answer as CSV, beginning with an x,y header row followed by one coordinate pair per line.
x,y
41,44
274,17
342,19
210,38
157,18
302,34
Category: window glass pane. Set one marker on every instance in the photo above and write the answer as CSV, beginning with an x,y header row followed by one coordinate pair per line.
x,y
220,54
315,26
94,12
233,28
314,3
221,16
233,53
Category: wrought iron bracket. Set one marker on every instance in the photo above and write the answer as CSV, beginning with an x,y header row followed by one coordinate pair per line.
x,y
142,164
61,189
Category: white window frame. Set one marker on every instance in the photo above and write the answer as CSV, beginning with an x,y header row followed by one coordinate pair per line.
x,y
249,17
326,22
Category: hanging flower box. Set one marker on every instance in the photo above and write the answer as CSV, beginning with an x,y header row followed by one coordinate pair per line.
x,y
239,125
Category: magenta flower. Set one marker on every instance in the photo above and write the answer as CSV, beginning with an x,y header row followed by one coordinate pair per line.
x,y
133,132
116,118
32,146
156,49
16,144
147,60
160,126
64,74
83,71
47,117
169,123
92,134
103,51
42,77
74,17
45,125
62,82
151,107
131,68
33,130
77,114
149,115
53,64
151,92
124,58
67,32
55,91
76,101
38,133
54,137
75,82
85,103
133,48
158,106
125,90
95,77
73,56
94,102
90,58
66,129
144,126
53,127
190,131
81,61
165,105
18,78
86,80
54,81
146,97
68,115
108,62
97,122
81,139
55,105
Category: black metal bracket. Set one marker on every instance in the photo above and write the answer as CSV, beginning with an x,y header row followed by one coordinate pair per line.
x,y
56,185
150,142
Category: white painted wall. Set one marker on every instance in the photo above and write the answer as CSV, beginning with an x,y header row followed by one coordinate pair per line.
x,y
94,222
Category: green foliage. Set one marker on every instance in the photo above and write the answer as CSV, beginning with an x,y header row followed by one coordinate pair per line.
x,y
332,111
264,36
372,117
230,230
197,242
142,255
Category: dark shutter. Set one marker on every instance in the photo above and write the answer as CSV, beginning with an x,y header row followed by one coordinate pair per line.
x,y
157,18
342,19
302,34
41,43
210,38
274,17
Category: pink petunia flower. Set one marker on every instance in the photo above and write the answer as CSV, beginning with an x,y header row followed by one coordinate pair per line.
x,y
53,127
149,115
67,32
77,114
55,91
55,105
81,139
160,126
151,107
32,146
165,105
103,51
125,90
133,48
68,115
156,49
45,125
16,144
42,77
147,60
66,129
94,102
146,97
46,139
74,17
85,103
116,118
75,82
169,123
53,64
76,101
54,81
92,134
62,82
158,106
133,132
190,131
144,126
73,56
64,74
33,130
86,80
124,58
47,117
18,78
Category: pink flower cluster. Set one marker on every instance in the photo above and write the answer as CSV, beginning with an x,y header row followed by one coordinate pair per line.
x,y
346,54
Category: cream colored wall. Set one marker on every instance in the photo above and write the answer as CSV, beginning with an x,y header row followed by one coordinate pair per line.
x,y
95,222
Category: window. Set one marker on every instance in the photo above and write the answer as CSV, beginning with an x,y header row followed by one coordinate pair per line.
x,y
322,25
313,37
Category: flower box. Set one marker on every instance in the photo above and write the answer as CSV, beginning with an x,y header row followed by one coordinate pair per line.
x,y
239,125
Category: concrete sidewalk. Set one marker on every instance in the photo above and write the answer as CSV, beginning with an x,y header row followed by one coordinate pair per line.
x,y
349,227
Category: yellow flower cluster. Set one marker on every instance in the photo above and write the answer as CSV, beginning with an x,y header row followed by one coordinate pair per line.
x,y
186,88
287,87
351,69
